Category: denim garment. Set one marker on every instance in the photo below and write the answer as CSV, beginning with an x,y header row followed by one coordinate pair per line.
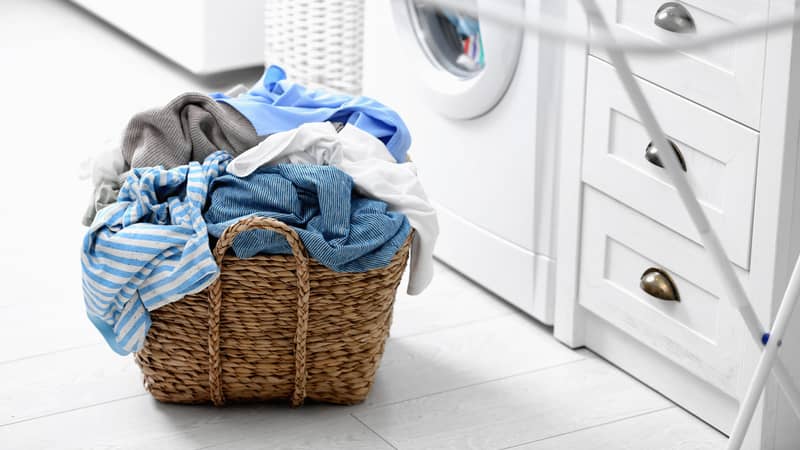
x,y
148,249
275,104
375,175
341,230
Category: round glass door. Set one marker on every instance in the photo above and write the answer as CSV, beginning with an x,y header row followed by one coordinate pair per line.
x,y
465,64
452,40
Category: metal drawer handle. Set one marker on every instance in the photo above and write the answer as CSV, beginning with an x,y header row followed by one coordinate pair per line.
x,y
674,17
651,153
659,284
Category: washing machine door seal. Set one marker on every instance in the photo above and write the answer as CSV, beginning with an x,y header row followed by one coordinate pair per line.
x,y
452,91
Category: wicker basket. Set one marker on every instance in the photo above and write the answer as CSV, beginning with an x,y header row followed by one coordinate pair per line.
x,y
318,42
272,327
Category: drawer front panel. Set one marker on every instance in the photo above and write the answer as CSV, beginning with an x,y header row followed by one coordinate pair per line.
x,y
726,78
720,156
701,332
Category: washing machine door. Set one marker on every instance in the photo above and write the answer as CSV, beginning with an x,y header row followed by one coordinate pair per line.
x,y
464,64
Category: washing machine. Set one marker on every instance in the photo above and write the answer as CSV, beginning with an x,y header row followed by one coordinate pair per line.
x,y
482,102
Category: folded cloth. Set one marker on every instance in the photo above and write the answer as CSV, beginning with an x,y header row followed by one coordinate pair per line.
x,y
274,104
148,249
341,230
374,173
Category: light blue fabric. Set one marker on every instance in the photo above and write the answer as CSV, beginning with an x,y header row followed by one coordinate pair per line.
x,y
149,249
341,230
466,25
275,104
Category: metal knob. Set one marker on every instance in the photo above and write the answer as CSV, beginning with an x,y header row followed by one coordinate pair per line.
x,y
674,17
659,284
651,154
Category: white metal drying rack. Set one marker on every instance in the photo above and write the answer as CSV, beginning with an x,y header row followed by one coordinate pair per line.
x,y
770,339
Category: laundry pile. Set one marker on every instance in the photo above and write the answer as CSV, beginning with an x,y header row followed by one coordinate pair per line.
x,y
332,166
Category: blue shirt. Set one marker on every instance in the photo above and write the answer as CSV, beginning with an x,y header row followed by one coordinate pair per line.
x,y
275,104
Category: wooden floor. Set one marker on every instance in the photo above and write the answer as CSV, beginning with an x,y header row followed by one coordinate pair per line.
x,y
461,370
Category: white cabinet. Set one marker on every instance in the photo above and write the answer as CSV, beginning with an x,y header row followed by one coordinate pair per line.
x,y
733,113
724,78
700,332
720,156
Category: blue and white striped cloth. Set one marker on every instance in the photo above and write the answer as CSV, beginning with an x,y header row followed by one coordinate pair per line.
x,y
149,249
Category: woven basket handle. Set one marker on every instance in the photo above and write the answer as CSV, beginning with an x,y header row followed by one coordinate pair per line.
x,y
215,304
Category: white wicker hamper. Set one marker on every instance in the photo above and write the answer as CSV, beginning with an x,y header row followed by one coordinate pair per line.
x,y
318,42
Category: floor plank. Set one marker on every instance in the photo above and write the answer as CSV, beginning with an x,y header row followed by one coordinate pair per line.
x,y
37,328
450,300
141,422
340,432
515,410
435,362
670,429
64,381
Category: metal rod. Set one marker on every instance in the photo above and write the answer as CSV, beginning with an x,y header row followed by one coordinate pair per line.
x,y
767,360
552,29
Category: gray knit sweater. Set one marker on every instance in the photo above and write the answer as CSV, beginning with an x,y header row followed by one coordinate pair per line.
x,y
189,128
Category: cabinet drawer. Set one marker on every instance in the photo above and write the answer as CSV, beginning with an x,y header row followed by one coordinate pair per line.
x,y
720,157
701,333
726,78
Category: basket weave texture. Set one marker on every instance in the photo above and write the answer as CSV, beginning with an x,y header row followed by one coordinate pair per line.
x,y
272,327
318,42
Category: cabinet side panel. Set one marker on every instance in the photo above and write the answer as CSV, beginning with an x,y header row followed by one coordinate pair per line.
x,y
786,432
776,243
